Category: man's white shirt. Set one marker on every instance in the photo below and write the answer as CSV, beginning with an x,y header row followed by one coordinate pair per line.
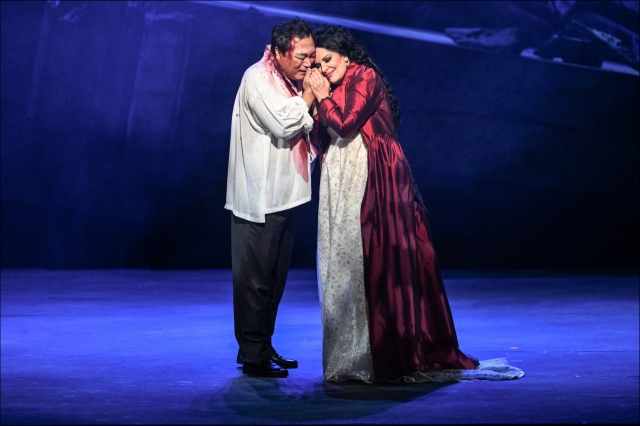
x,y
262,175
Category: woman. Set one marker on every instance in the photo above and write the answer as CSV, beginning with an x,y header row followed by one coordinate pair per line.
x,y
385,312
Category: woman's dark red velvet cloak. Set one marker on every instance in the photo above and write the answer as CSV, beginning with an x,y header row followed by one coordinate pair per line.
x,y
410,323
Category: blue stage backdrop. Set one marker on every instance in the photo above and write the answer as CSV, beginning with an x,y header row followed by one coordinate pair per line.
x,y
116,120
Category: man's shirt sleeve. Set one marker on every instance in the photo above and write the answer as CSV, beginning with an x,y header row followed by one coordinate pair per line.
x,y
283,117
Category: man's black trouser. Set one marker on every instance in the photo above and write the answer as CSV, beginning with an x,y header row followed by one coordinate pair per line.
x,y
260,257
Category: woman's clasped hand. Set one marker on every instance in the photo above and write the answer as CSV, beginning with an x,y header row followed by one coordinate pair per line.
x,y
319,84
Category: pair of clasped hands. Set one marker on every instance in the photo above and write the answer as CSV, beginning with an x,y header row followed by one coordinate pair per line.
x,y
317,83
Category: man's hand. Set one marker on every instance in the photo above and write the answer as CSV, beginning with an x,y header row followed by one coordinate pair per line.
x,y
305,80
307,94
320,86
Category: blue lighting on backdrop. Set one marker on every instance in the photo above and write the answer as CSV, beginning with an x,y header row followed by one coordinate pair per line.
x,y
116,118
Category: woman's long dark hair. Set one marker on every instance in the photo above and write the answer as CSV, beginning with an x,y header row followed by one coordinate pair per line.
x,y
337,39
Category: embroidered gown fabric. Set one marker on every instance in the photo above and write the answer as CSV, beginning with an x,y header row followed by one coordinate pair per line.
x,y
385,312
345,348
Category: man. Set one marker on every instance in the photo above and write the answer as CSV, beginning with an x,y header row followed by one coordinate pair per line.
x,y
269,176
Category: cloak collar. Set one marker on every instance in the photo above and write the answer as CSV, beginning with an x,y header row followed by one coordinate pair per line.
x,y
351,71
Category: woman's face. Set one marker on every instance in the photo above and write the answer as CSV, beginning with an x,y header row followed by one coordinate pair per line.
x,y
333,65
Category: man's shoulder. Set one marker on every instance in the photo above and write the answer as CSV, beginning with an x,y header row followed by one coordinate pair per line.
x,y
255,72
257,78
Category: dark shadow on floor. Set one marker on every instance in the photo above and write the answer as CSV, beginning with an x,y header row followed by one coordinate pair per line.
x,y
320,400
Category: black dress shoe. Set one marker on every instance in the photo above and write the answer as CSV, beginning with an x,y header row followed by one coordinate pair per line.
x,y
283,362
263,369
275,357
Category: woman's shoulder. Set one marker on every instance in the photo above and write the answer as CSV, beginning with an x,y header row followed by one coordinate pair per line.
x,y
362,76
363,72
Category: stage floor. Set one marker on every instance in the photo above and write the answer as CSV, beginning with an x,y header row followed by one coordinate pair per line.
x,y
136,346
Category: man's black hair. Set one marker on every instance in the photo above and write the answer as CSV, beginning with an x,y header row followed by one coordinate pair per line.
x,y
284,32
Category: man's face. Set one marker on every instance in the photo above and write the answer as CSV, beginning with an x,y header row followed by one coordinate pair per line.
x,y
298,59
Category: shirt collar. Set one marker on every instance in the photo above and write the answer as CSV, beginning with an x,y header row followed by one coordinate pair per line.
x,y
270,60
